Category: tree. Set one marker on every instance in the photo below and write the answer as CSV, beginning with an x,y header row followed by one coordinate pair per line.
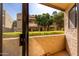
x,y
14,24
54,13
44,21
59,20
38,21
50,22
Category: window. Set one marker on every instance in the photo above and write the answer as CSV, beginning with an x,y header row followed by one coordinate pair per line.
x,y
72,17
19,19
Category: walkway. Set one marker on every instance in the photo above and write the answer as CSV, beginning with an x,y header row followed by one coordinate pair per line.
x,y
11,47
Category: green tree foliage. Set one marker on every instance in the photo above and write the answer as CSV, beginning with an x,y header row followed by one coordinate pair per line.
x,y
54,13
59,20
45,20
14,24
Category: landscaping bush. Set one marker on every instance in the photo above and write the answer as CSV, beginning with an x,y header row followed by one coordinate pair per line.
x,y
45,33
35,33
11,34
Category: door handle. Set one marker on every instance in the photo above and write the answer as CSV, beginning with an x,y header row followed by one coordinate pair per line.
x,y
22,40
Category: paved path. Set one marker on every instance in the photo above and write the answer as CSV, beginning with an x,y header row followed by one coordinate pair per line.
x,y
10,38
11,47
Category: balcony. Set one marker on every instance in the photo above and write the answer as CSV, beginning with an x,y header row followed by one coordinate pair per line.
x,y
46,45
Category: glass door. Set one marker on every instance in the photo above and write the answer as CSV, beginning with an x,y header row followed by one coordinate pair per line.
x,y
12,28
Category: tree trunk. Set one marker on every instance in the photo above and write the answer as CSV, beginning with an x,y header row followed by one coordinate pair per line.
x,y
45,28
38,28
48,28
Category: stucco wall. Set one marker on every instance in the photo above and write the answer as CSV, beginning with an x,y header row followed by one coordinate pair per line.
x,y
71,35
7,22
19,22
40,45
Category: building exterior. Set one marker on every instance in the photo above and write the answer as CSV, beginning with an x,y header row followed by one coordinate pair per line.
x,y
32,25
19,22
7,22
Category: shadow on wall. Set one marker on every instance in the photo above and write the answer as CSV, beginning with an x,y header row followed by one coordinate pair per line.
x,y
67,47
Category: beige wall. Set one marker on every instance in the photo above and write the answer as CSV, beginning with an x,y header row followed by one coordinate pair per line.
x,y
71,35
40,45
7,22
19,22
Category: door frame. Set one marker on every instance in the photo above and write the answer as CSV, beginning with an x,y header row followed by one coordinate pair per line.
x,y
1,28
25,22
77,5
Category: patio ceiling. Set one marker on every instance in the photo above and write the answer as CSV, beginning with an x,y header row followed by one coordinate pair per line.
x,y
60,6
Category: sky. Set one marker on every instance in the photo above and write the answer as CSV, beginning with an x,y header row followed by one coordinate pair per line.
x,y
12,9
34,9
39,9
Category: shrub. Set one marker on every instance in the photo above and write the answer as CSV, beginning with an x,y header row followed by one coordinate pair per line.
x,y
35,33
45,33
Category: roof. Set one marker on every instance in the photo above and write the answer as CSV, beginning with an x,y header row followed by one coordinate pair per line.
x,y
60,6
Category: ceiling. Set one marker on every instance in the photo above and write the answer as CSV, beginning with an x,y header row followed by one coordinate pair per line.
x,y
60,6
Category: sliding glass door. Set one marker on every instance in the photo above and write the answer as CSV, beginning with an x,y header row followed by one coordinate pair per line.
x,y
12,28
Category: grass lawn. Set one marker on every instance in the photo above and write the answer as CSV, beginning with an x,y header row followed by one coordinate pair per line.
x,y
35,33
11,34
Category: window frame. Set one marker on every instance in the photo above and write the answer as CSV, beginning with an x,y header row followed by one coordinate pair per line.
x,y
70,20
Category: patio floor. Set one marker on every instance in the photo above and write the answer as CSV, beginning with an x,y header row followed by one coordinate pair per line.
x,y
61,53
11,46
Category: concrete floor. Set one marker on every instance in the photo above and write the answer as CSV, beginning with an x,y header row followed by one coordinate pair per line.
x,y
61,53
11,47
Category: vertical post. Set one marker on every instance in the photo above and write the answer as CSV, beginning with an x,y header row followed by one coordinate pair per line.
x,y
77,15
0,29
25,18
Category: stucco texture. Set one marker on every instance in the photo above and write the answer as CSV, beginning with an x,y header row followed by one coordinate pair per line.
x,y
39,46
